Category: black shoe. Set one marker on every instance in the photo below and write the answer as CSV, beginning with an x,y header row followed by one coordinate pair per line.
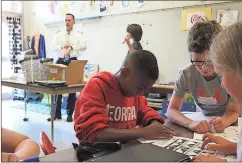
x,y
69,119
49,119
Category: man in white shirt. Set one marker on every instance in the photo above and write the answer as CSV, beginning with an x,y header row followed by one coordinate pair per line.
x,y
68,43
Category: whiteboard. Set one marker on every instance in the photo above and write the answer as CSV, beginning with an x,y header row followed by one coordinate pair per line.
x,y
162,36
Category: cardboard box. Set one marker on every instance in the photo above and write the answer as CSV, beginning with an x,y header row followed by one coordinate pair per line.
x,y
72,74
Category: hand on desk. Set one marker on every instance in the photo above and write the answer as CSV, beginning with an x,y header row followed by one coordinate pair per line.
x,y
157,130
218,124
200,126
9,157
207,158
220,144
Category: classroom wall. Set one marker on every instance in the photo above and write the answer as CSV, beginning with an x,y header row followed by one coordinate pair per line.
x,y
162,36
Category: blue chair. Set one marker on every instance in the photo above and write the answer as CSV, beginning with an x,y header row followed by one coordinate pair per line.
x,y
186,107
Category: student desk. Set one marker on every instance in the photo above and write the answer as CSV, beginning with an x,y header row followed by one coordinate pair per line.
x,y
163,86
69,155
15,83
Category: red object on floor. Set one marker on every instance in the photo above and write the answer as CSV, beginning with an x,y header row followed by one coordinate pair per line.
x,y
46,144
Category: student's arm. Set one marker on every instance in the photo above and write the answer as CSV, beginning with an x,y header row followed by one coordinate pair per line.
x,y
154,131
91,119
90,116
230,116
173,110
18,144
146,114
174,114
150,120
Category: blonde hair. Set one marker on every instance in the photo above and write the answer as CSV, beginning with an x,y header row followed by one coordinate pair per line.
x,y
226,49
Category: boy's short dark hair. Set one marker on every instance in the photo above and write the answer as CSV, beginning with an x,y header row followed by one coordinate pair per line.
x,y
201,35
71,15
136,31
146,63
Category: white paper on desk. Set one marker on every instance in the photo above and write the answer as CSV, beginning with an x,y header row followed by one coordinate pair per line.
x,y
161,142
197,136
153,141
197,116
145,141
165,142
231,133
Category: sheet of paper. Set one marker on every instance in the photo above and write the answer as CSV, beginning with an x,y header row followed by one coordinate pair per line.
x,y
164,142
145,141
159,141
231,133
197,116
197,136
189,147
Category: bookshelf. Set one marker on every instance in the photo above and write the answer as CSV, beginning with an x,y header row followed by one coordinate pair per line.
x,y
163,90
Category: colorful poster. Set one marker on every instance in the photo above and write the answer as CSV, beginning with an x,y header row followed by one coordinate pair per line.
x,y
191,16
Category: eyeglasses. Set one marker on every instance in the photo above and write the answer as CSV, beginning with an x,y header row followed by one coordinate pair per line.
x,y
200,63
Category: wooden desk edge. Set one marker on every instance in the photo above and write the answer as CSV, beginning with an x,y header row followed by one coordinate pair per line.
x,y
163,86
42,89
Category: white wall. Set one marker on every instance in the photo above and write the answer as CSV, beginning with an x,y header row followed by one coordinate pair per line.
x,y
162,36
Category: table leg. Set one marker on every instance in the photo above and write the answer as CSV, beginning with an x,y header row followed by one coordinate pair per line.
x,y
25,106
53,108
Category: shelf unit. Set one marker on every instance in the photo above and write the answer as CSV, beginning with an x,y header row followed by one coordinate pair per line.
x,y
162,89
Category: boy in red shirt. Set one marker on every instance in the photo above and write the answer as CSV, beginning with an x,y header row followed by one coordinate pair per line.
x,y
111,105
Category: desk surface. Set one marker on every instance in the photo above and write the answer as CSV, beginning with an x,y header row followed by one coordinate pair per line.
x,y
42,89
69,155
21,84
163,86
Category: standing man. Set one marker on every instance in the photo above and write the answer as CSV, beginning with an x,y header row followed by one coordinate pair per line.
x,y
69,43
